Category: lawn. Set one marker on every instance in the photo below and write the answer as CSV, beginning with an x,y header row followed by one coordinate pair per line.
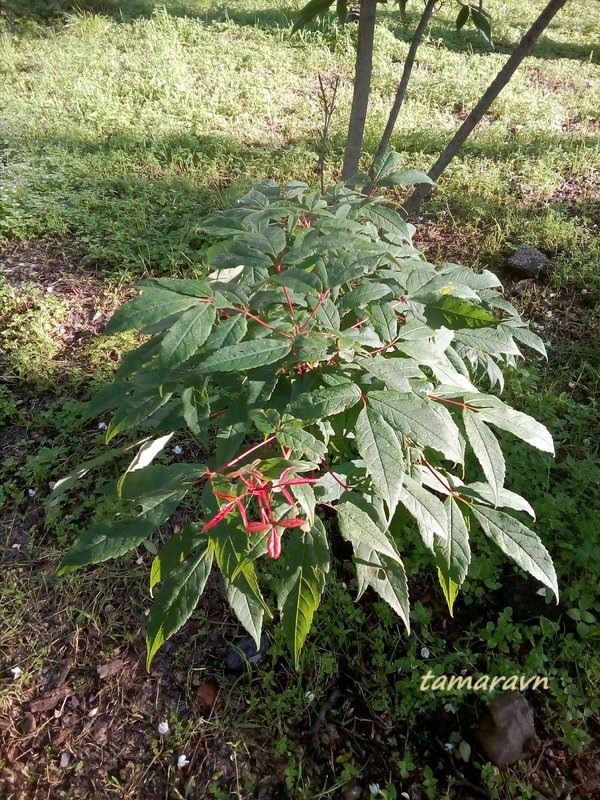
x,y
122,125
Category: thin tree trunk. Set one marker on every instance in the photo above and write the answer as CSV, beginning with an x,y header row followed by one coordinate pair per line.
x,y
406,73
362,87
422,191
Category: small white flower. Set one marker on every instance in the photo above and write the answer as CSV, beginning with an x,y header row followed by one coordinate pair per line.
x,y
374,789
49,289
448,747
16,673
16,546
310,696
572,384
93,711
139,560
147,612
177,450
102,426
182,761
425,652
541,591
449,708
584,291
163,728
31,492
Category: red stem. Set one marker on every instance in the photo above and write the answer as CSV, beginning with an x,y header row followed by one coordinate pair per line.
x,y
452,402
322,299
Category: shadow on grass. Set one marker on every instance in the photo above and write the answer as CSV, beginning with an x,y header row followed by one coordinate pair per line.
x,y
470,40
39,11
132,204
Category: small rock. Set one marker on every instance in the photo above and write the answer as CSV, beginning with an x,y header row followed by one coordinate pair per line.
x,y
65,757
244,649
507,733
528,262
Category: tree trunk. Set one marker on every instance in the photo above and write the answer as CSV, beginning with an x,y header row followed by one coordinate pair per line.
x,y
362,87
406,73
422,191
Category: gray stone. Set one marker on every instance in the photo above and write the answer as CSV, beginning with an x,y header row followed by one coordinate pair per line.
x,y
506,732
529,262
244,650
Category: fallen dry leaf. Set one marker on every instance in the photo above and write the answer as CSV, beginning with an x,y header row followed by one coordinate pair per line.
x,y
206,695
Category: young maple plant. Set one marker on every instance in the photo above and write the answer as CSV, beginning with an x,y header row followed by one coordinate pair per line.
x,y
323,363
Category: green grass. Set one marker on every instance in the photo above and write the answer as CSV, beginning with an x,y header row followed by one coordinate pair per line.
x,y
124,124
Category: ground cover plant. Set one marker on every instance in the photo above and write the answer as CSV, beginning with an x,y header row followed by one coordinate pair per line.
x,y
122,131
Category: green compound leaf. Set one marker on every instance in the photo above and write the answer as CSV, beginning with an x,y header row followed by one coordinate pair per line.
x,y
325,402
519,543
245,355
454,313
427,424
358,528
176,599
453,556
428,511
378,563
381,448
305,560
487,451
186,335
136,409
151,307
110,539
302,443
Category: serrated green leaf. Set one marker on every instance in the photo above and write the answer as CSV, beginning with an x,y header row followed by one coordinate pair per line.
x,y
228,332
387,220
174,551
187,335
305,495
151,307
176,600
381,448
387,577
486,449
519,543
462,17
454,313
302,443
110,539
185,286
428,511
358,528
245,355
110,396
482,23
133,411
417,418
384,321
506,498
305,561
325,402
453,556
246,603
530,339
241,585
493,410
